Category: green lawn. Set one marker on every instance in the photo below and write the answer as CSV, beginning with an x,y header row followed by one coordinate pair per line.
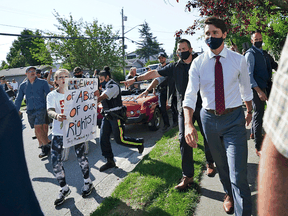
x,y
149,188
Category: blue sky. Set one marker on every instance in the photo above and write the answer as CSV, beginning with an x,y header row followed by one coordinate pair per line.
x,y
163,16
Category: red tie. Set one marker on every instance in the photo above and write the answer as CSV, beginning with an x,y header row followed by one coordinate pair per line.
x,y
219,87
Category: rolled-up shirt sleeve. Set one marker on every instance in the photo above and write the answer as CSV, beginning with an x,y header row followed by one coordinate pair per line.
x,y
250,59
244,82
192,87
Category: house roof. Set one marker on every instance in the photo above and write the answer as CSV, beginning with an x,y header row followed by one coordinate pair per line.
x,y
21,70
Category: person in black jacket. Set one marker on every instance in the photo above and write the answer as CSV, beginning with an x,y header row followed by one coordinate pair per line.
x,y
179,72
17,195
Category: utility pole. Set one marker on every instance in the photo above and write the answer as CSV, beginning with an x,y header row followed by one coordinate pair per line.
x,y
124,18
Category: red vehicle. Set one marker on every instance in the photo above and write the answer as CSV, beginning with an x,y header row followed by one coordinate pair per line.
x,y
142,110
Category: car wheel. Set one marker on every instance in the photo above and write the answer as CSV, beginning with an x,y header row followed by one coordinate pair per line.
x,y
155,123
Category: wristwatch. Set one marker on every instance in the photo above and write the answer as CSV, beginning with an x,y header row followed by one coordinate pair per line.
x,y
135,78
250,112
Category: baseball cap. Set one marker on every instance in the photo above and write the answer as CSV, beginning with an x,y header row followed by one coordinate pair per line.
x,y
28,68
77,70
162,54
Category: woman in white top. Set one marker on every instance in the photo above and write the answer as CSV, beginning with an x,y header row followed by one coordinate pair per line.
x,y
55,109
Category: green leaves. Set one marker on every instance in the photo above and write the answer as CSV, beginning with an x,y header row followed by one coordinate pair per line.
x,y
86,53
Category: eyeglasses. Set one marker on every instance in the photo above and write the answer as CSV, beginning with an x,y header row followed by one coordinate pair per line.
x,y
31,71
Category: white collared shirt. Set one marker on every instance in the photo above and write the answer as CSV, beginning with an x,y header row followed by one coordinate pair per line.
x,y
202,77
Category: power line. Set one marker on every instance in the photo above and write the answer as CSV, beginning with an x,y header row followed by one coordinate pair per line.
x,y
58,37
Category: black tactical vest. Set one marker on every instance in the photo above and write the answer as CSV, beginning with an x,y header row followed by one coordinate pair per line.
x,y
113,102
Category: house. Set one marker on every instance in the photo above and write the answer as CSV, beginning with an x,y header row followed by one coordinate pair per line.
x,y
19,74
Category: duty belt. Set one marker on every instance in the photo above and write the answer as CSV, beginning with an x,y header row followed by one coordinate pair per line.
x,y
113,109
226,111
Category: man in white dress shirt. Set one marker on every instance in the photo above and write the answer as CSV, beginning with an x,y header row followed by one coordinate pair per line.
x,y
222,77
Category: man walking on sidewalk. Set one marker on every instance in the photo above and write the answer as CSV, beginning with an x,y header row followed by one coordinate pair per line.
x,y
36,91
222,77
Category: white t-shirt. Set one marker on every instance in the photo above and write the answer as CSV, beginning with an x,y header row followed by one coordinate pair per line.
x,y
56,100
14,85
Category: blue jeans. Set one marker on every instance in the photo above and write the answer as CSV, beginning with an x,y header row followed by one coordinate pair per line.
x,y
226,136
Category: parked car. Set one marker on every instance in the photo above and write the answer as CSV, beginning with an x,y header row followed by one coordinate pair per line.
x,y
142,110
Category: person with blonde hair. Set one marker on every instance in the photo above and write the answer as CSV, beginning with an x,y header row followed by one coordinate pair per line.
x,y
55,108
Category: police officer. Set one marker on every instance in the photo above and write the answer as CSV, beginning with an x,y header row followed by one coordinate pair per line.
x,y
114,118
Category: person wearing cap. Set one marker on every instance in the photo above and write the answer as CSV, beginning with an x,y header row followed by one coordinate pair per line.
x,y
78,73
36,91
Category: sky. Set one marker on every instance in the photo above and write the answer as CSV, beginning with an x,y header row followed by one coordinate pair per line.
x,y
164,17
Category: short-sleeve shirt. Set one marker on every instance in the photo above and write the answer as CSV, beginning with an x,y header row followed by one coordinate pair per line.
x,y
111,89
276,115
56,100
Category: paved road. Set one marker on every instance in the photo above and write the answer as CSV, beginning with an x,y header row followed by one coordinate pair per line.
x,y
46,187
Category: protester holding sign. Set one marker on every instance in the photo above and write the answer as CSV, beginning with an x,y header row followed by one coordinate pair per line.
x,y
114,118
55,108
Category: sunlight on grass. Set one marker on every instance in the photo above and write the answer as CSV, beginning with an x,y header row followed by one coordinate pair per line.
x,y
149,188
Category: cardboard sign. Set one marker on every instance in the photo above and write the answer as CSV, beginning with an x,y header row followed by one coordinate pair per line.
x,y
80,110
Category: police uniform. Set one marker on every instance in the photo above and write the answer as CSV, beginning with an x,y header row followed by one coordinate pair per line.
x,y
113,121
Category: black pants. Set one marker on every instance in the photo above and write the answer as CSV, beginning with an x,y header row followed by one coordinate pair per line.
x,y
56,158
163,101
257,119
115,126
186,150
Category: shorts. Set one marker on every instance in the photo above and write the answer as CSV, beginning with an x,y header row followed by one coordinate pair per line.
x,y
37,117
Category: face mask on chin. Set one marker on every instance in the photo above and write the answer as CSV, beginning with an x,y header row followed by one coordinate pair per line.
x,y
214,43
258,44
184,55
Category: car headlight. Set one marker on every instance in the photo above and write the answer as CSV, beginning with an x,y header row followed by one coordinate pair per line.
x,y
132,112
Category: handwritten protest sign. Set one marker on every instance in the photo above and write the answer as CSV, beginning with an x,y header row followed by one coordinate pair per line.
x,y
80,110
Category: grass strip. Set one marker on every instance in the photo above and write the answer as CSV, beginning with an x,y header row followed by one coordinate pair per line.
x,y
149,188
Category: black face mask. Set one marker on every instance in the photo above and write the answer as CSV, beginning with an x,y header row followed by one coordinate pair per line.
x,y
103,84
184,55
78,75
214,43
258,44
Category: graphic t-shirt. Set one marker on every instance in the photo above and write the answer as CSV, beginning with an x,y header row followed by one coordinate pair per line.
x,y
56,100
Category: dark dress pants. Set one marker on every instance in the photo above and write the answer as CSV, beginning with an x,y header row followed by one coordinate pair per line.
x,y
196,117
227,140
186,150
257,119
163,101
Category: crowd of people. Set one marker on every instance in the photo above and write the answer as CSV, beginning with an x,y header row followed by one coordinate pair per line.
x,y
210,89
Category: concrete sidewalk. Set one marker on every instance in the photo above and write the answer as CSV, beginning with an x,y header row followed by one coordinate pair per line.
x,y
211,201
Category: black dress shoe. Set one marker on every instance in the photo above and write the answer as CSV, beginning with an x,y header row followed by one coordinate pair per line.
x,y
140,148
109,164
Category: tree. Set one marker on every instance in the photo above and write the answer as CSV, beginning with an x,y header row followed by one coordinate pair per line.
x,y
149,45
4,65
28,50
175,57
244,16
98,49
